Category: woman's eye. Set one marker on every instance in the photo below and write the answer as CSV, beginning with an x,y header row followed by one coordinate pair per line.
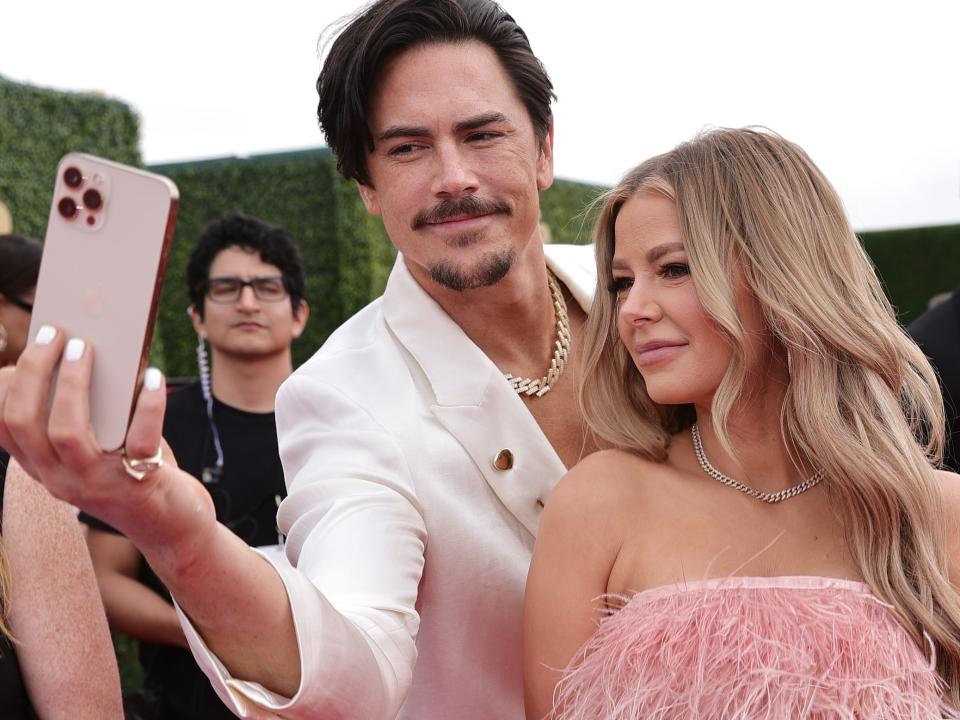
x,y
672,271
619,285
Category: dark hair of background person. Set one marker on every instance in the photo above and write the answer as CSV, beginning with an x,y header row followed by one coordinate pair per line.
x,y
384,30
19,264
274,245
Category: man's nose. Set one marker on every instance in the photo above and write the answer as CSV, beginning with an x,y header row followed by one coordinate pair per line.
x,y
453,172
248,298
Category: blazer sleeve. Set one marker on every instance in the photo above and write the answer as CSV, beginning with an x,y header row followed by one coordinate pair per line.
x,y
355,540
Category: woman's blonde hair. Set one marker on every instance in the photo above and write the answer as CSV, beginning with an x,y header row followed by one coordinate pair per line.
x,y
4,565
862,402
4,595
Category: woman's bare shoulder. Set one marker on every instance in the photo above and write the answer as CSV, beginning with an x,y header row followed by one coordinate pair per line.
x,y
606,479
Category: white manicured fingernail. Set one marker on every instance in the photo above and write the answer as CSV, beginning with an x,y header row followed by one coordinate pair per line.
x,y
152,379
45,335
74,351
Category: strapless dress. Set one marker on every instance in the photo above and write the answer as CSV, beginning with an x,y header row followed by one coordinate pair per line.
x,y
752,648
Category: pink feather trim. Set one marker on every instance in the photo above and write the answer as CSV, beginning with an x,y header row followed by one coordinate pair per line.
x,y
757,648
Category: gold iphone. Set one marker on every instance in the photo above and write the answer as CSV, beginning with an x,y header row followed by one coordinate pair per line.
x,y
104,256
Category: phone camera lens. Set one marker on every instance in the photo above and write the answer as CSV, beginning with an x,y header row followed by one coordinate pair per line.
x,y
92,200
67,208
73,177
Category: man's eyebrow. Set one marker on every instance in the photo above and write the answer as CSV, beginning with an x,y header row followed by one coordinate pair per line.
x,y
479,121
403,131
415,131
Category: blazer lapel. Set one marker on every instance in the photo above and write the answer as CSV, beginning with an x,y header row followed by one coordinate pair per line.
x,y
474,402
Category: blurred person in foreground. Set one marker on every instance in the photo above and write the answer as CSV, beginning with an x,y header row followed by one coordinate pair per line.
x,y
56,658
420,443
245,280
771,539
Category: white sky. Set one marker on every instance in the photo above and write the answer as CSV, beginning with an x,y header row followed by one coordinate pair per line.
x,y
871,89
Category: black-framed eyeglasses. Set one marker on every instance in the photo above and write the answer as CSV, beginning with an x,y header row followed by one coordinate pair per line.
x,y
22,304
228,289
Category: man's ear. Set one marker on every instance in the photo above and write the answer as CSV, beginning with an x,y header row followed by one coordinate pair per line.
x,y
300,318
197,321
545,160
370,200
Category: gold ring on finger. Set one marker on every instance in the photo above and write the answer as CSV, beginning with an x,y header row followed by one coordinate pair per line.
x,y
137,468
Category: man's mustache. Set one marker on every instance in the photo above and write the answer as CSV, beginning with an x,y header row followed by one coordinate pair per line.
x,y
454,207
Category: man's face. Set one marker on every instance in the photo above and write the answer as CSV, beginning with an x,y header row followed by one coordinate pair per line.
x,y
248,327
456,168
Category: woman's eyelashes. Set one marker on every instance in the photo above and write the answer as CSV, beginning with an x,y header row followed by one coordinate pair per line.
x,y
673,270
619,285
668,271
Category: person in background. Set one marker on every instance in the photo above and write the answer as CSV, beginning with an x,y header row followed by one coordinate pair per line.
x,y
937,332
245,279
56,658
771,538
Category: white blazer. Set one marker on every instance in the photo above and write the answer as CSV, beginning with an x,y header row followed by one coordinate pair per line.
x,y
410,548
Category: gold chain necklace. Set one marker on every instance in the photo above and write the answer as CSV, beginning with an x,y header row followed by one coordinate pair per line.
x,y
541,386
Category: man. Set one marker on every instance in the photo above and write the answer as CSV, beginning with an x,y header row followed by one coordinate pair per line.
x,y
245,280
416,470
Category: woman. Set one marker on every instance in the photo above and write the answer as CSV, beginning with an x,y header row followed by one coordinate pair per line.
x,y
772,539
56,658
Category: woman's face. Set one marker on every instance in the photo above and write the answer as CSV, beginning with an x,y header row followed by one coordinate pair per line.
x,y
678,349
16,321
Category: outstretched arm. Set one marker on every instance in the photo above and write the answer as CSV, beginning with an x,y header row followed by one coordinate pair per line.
x,y
272,645
220,582
63,644
132,607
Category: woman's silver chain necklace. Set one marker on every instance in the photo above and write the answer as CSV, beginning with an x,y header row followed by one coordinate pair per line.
x,y
766,497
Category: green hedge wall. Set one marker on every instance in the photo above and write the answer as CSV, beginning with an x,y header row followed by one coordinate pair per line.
x,y
915,264
38,127
566,209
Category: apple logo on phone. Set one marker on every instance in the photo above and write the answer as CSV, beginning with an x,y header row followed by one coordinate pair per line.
x,y
91,301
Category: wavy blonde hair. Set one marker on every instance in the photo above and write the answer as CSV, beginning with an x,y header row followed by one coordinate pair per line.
x,y
862,400
4,569
4,595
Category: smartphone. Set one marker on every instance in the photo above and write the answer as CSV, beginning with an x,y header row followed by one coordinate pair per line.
x,y
104,256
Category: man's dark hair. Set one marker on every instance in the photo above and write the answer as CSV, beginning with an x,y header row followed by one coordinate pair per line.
x,y
19,264
387,28
274,245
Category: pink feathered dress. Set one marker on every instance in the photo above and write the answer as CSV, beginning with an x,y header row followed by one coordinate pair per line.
x,y
751,648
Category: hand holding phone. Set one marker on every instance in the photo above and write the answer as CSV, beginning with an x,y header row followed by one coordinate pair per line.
x,y
105,253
